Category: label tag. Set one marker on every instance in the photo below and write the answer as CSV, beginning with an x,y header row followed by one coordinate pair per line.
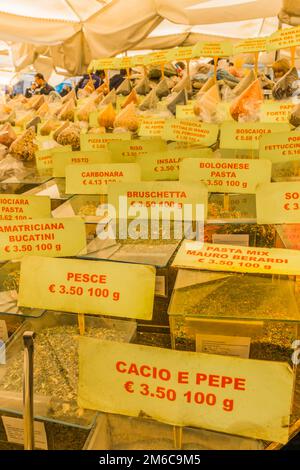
x,y
248,46
44,237
185,111
99,141
193,131
128,152
193,255
278,203
95,179
14,428
225,175
154,200
284,38
151,127
274,111
247,135
81,286
223,394
3,330
62,160
281,147
224,345
164,166
20,207
231,239
213,49
44,158
160,286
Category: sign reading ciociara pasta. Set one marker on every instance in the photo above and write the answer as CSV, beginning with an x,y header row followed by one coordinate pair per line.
x,y
95,179
20,207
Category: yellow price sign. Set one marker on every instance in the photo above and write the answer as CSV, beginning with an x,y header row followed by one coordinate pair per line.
x,y
185,111
95,179
159,200
249,46
44,237
20,207
82,286
214,257
162,166
213,49
284,38
281,147
129,151
63,159
181,53
226,175
278,203
90,142
226,394
44,158
192,131
236,135
151,127
274,111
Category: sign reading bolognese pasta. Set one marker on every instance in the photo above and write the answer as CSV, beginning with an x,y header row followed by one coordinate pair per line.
x,y
94,179
44,237
226,176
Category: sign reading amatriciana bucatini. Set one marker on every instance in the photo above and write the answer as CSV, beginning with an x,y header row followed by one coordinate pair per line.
x,y
215,257
44,237
81,286
226,394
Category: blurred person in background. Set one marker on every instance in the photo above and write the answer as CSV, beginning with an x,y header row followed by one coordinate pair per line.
x,y
118,79
97,77
42,87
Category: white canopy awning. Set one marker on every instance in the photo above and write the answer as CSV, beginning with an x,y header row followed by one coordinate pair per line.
x,y
68,34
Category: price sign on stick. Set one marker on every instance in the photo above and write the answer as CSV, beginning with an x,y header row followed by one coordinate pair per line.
x,y
151,128
226,394
281,147
235,135
214,257
95,179
226,175
128,151
278,203
186,130
81,286
20,207
63,159
44,237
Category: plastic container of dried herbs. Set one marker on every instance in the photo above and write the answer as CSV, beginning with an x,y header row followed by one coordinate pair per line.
x,y
158,252
115,432
55,188
244,315
92,209
55,374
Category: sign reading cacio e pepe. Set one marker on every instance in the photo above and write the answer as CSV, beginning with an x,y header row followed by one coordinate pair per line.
x,y
225,394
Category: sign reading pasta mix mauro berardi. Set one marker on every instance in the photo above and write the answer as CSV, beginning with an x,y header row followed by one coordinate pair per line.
x,y
226,394
215,257
44,237
82,286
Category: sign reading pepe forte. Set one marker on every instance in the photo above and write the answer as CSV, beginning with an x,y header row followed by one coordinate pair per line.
x,y
225,394
95,179
81,286
167,199
226,176
44,237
